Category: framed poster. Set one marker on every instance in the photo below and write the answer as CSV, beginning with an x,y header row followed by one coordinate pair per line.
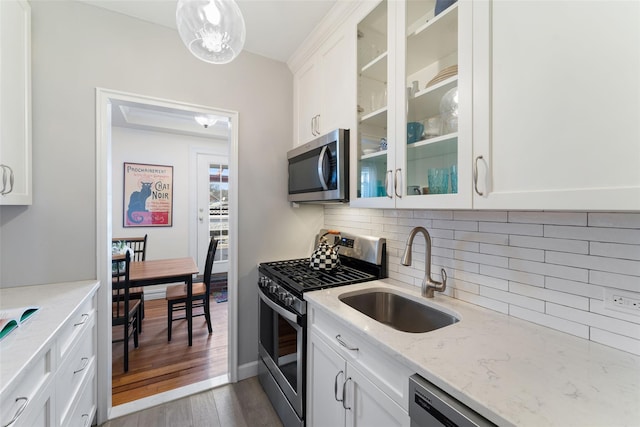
x,y
148,195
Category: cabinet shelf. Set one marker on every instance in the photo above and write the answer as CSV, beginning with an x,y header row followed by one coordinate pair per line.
x,y
376,69
376,118
433,41
426,103
373,156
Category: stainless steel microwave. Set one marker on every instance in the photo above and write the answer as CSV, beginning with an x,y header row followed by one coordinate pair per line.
x,y
319,170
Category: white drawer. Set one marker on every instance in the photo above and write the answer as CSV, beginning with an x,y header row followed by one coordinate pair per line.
x,y
391,376
84,409
40,410
28,386
75,325
79,365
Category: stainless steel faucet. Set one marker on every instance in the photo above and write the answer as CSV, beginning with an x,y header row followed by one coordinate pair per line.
x,y
428,285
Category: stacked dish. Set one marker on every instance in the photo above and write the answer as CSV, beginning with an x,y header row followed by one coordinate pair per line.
x,y
443,75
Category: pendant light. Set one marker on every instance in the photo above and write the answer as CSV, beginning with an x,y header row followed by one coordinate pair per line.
x,y
212,30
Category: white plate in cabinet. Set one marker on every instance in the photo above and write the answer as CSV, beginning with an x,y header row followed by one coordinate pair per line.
x,y
26,397
75,369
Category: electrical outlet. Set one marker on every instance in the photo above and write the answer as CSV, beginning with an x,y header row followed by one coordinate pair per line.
x,y
624,301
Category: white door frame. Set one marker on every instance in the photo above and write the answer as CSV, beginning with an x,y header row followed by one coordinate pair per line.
x,y
103,249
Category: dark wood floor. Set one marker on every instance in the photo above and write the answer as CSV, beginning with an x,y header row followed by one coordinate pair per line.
x,y
158,365
243,404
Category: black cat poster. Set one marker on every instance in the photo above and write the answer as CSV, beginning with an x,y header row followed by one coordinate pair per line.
x,y
148,195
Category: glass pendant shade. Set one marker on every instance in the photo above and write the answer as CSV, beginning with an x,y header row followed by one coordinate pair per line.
x,y
212,30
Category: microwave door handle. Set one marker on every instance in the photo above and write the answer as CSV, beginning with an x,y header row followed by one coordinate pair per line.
x,y
321,168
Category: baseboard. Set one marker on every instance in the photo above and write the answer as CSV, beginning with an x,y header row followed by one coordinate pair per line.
x,y
247,370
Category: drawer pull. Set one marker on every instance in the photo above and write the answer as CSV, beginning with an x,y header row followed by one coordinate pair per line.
x,y
82,322
19,411
87,421
335,387
85,362
344,392
345,345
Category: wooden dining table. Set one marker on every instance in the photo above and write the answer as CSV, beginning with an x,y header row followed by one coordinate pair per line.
x,y
162,271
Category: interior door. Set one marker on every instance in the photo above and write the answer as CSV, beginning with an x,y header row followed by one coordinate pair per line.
x,y
213,209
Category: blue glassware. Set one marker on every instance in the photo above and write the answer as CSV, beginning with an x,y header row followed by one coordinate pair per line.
x,y
454,179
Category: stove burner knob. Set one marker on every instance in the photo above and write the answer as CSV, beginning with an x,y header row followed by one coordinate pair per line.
x,y
288,300
282,295
273,288
264,282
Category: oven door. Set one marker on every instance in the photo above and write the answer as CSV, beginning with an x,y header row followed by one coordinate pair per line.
x,y
281,348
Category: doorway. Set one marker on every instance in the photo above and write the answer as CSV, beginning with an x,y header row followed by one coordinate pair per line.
x,y
107,217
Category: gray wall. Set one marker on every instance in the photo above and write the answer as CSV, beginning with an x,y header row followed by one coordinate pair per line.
x,y
76,48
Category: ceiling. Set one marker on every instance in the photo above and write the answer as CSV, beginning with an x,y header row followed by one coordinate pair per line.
x,y
275,28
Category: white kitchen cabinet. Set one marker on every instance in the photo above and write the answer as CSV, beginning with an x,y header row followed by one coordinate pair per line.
x,y
349,381
48,373
402,49
556,105
324,89
15,103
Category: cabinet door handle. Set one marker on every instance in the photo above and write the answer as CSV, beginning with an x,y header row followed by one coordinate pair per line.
x,y
335,387
313,127
19,411
318,125
4,190
84,318
344,394
87,421
344,344
475,176
85,362
395,183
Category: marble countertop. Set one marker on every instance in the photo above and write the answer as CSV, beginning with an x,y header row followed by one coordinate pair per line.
x,y
57,303
511,371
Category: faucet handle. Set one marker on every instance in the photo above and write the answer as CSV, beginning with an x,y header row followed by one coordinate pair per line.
x,y
444,280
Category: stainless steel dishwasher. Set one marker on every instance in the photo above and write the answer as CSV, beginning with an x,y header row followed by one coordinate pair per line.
x,y
429,406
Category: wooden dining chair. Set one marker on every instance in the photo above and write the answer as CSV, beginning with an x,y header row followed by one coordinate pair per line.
x,y
139,247
177,295
125,312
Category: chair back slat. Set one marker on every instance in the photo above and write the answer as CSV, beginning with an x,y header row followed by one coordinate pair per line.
x,y
137,244
120,285
211,254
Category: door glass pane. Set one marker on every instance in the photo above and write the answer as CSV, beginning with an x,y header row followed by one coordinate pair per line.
x,y
287,357
432,114
372,102
219,208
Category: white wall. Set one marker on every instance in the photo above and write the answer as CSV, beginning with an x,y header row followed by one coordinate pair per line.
x,y
159,148
76,48
549,268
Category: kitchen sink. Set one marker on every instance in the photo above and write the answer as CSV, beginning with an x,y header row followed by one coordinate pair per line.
x,y
398,312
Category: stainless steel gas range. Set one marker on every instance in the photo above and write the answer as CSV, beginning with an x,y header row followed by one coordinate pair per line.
x,y
283,316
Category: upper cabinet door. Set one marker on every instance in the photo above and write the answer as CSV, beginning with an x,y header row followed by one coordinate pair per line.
x,y
307,96
557,105
433,92
15,102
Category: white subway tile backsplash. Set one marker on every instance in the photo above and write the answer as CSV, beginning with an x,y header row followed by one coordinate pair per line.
x,y
557,218
614,220
543,294
576,288
613,280
615,250
628,329
549,268
491,216
612,265
512,252
545,269
560,245
511,228
468,236
595,234
513,275
615,340
563,325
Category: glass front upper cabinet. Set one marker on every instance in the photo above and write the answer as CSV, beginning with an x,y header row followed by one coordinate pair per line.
x,y
372,104
431,82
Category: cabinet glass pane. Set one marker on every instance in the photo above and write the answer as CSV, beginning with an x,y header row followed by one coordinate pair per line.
x,y
372,103
432,114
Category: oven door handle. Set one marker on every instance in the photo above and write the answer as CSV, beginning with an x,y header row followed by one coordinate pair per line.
x,y
275,307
